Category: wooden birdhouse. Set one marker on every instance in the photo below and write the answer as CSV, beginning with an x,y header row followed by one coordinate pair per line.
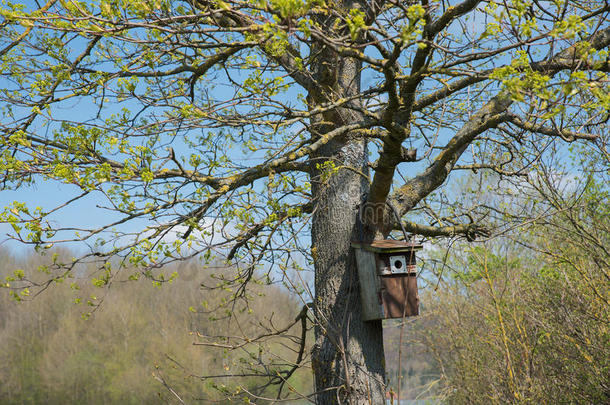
x,y
388,283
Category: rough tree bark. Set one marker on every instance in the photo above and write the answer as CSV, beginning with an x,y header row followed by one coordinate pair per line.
x,y
348,357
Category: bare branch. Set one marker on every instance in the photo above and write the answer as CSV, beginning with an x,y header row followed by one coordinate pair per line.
x,y
566,135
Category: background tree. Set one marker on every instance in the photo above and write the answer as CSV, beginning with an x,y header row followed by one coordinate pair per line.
x,y
525,318
241,127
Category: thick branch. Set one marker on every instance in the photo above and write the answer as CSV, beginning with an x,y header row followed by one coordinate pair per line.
x,y
470,231
390,155
490,115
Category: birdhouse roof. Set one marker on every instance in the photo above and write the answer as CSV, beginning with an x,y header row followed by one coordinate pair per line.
x,y
388,246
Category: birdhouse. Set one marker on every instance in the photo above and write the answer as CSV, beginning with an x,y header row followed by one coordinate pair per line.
x,y
388,283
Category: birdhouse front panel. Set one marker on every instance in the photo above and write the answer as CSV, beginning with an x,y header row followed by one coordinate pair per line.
x,y
399,296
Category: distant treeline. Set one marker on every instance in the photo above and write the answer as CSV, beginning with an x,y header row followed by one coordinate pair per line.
x,y
137,346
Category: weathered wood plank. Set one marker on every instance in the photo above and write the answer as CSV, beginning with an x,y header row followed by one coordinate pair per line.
x,y
369,285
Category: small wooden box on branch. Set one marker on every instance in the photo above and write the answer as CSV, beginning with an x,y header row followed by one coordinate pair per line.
x,y
388,282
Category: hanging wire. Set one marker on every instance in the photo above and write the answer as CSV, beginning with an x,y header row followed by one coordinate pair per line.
x,y
404,232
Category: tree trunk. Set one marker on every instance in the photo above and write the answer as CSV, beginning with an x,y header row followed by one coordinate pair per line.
x,y
348,356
